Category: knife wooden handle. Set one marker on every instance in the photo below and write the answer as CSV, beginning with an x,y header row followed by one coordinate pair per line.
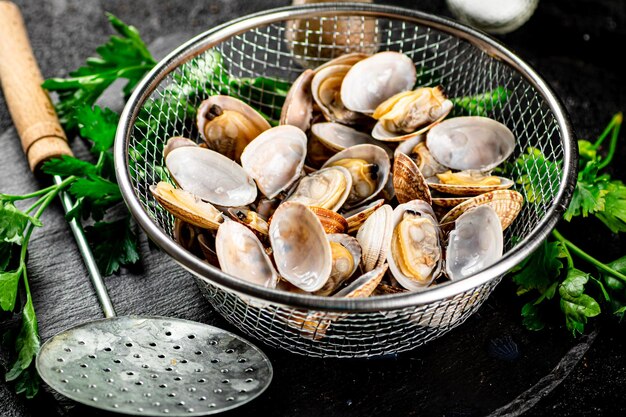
x,y
31,109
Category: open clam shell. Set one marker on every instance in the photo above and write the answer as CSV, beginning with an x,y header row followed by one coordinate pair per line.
x,y
408,182
470,143
416,149
227,125
187,207
364,285
346,253
211,176
410,113
448,202
326,87
327,188
275,159
415,254
475,242
176,142
241,254
251,219
467,189
357,216
370,168
385,74
298,107
301,250
374,236
506,203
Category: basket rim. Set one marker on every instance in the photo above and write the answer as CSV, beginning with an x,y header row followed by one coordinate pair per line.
x,y
215,276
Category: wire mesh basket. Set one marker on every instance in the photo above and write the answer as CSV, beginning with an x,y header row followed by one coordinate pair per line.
x,y
277,45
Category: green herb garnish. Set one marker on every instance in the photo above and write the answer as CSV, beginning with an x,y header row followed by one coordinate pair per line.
x,y
550,272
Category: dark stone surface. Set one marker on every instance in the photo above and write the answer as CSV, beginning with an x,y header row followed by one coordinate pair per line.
x,y
490,365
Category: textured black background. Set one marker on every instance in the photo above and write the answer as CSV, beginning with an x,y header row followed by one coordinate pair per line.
x,y
576,45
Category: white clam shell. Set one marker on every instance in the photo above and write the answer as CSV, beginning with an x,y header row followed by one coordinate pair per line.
x,y
475,243
373,154
275,158
240,253
373,80
428,274
301,250
211,176
470,143
313,189
374,236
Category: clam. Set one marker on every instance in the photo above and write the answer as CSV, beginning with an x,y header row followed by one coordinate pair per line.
x,y
275,159
370,168
251,219
298,107
301,250
448,202
211,176
415,251
374,237
415,148
227,125
187,207
470,143
176,142
364,285
467,183
410,113
327,188
357,216
373,80
346,253
326,87
408,182
338,137
386,289
475,242
241,254
332,222
506,203
186,235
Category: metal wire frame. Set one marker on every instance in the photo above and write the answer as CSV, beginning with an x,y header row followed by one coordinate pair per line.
x,y
280,43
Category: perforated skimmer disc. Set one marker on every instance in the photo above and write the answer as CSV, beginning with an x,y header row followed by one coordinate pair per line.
x,y
154,366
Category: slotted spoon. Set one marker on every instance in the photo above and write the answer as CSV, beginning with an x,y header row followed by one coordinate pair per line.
x,y
132,365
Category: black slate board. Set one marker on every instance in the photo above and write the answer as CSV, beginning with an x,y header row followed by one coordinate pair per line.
x,y
490,365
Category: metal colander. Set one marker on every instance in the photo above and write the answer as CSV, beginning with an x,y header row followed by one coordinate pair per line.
x,y
278,44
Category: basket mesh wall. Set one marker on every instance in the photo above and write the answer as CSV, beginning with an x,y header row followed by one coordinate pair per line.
x,y
280,51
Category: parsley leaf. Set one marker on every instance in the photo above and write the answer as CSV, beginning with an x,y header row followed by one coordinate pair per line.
x,y
575,304
482,104
68,165
97,189
614,213
586,151
539,270
8,289
27,342
13,222
589,193
535,173
531,317
114,244
124,56
98,125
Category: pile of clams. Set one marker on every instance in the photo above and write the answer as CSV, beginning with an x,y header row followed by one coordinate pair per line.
x,y
366,187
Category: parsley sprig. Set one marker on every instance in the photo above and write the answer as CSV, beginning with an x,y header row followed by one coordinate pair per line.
x,y
93,184
550,274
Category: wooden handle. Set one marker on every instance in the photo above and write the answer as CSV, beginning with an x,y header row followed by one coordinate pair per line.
x,y
29,104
